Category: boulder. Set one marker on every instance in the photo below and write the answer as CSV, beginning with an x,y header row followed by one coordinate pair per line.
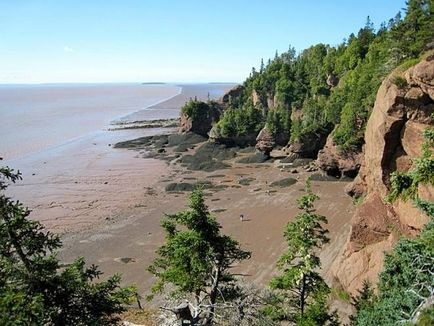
x,y
265,141
337,163
393,138
309,145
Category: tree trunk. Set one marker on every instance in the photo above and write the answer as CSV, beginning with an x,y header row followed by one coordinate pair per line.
x,y
16,243
213,297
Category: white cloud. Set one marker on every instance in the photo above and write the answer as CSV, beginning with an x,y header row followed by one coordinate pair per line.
x,y
68,49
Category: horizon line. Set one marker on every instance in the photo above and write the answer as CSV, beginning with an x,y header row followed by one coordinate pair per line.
x,y
120,82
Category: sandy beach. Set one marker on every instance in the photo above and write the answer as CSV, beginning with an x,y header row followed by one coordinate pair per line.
x,y
108,202
127,243
72,182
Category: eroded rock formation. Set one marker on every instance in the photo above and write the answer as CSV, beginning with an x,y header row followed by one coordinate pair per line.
x,y
337,163
233,94
308,146
393,138
202,122
265,141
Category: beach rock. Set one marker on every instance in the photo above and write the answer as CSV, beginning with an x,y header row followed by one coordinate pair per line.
x,y
265,141
208,157
200,119
309,145
337,163
284,182
290,158
393,138
278,153
257,157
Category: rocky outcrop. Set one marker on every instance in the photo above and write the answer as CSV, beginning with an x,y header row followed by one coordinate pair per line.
x,y
393,138
201,120
255,97
337,163
271,101
233,94
265,141
332,80
267,101
309,145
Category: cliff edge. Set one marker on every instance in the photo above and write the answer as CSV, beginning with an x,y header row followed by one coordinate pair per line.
x,y
393,138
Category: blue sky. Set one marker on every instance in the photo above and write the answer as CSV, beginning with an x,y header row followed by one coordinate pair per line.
x,y
186,40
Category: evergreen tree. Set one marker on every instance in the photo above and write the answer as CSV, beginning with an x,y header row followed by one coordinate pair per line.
x,y
35,289
303,292
196,259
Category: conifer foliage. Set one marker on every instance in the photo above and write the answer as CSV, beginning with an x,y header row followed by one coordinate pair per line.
x,y
196,260
302,292
35,288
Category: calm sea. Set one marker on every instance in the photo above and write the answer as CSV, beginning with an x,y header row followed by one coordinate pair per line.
x,y
35,117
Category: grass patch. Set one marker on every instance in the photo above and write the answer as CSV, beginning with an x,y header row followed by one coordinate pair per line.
x,y
340,294
357,201
399,82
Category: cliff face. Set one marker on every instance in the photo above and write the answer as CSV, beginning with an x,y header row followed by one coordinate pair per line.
x,y
393,138
334,162
202,123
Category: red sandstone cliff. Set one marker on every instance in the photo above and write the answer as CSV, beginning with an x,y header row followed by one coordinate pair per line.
x,y
393,137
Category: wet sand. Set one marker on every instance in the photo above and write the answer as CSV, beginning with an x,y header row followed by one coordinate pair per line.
x,y
108,203
37,117
83,182
127,245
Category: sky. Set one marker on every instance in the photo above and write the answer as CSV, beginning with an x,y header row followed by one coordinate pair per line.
x,y
50,41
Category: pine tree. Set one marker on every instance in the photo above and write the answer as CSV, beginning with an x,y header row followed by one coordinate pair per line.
x,y
303,290
196,259
35,289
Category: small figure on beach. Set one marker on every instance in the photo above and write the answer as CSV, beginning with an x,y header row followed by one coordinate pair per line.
x,y
241,217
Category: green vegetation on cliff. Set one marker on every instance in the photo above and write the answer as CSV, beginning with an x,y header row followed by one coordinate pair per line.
x,y
327,88
245,121
406,287
198,110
